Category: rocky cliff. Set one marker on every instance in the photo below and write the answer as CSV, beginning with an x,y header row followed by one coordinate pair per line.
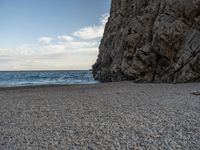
x,y
151,41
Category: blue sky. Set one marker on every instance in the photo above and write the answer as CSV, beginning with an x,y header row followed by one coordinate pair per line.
x,y
50,34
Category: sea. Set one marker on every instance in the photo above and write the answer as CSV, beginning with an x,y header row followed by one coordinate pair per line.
x,y
33,78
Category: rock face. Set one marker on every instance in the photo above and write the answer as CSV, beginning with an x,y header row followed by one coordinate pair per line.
x,y
151,41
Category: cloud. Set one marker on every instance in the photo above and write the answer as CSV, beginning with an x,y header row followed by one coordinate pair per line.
x,y
45,40
89,33
77,50
66,38
3,51
92,32
104,19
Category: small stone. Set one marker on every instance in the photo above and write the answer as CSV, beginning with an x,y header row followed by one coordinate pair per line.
x,y
196,93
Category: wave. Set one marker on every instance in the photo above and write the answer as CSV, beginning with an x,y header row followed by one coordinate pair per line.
x,y
23,78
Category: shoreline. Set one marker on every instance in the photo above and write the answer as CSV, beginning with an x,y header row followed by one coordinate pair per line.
x,y
42,86
84,84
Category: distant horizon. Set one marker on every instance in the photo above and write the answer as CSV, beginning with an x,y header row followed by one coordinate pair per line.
x,y
43,70
60,35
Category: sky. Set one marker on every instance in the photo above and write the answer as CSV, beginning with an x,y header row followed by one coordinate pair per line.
x,y
51,34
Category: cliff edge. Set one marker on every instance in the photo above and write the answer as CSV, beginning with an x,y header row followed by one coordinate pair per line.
x,y
151,41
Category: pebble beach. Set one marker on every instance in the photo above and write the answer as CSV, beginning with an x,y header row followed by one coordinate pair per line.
x,y
104,116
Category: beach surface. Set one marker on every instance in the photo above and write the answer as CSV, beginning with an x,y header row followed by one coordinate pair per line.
x,y
108,116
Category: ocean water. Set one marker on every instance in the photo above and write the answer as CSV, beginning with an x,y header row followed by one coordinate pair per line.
x,y
29,78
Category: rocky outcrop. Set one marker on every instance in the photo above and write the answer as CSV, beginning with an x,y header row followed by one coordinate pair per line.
x,y
151,41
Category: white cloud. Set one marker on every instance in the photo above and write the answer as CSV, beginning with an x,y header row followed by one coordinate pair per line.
x,y
89,33
66,38
3,51
74,51
104,19
92,32
45,40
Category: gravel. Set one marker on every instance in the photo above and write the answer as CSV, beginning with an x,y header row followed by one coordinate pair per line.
x,y
104,116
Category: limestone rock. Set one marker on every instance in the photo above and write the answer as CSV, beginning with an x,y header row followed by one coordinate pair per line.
x,y
151,41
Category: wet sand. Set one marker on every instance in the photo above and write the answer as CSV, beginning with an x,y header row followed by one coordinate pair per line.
x,y
109,116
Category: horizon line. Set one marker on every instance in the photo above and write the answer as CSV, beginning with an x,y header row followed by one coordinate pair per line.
x,y
44,70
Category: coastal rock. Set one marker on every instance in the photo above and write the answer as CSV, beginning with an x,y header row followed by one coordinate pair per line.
x,y
151,41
